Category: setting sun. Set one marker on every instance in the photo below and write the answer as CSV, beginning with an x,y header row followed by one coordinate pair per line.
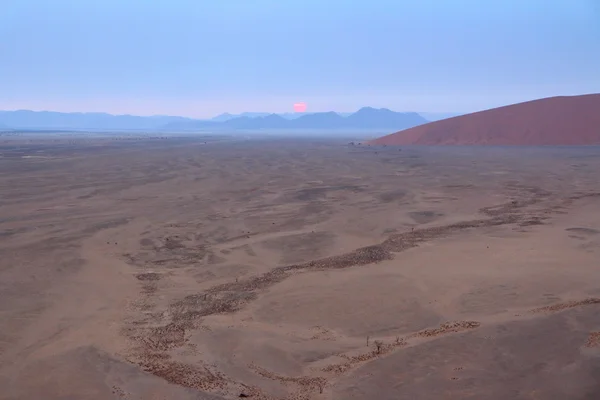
x,y
300,107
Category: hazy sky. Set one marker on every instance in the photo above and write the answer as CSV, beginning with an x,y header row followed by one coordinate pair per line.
x,y
203,57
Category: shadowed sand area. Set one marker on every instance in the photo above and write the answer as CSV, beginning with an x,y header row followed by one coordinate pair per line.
x,y
214,268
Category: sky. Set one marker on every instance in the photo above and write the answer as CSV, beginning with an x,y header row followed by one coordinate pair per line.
x,y
199,58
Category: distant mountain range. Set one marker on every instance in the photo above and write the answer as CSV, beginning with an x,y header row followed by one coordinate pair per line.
x,y
227,116
26,119
364,119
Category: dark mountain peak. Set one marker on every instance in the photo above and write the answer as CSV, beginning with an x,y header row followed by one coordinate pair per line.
x,y
271,121
274,117
383,118
244,118
321,115
323,120
372,110
366,109
223,117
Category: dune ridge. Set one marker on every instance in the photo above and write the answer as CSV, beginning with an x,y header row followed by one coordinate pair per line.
x,y
563,120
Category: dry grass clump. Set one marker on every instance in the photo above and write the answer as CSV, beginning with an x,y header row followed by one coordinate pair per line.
x,y
187,375
593,340
447,327
567,305
148,276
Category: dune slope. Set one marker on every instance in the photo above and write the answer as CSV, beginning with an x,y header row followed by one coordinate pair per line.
x,y
572,120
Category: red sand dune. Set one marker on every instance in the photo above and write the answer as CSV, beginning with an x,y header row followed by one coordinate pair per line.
x,y
565,120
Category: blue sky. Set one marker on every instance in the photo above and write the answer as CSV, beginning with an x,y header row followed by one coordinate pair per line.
x,y
201,57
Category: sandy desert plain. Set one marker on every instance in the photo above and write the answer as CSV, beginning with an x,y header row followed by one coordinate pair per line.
x,y
200,268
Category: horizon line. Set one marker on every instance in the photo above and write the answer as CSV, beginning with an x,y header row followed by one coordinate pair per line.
x,y
225,112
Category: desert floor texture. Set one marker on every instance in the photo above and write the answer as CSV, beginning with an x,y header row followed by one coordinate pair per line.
x,y
212,268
